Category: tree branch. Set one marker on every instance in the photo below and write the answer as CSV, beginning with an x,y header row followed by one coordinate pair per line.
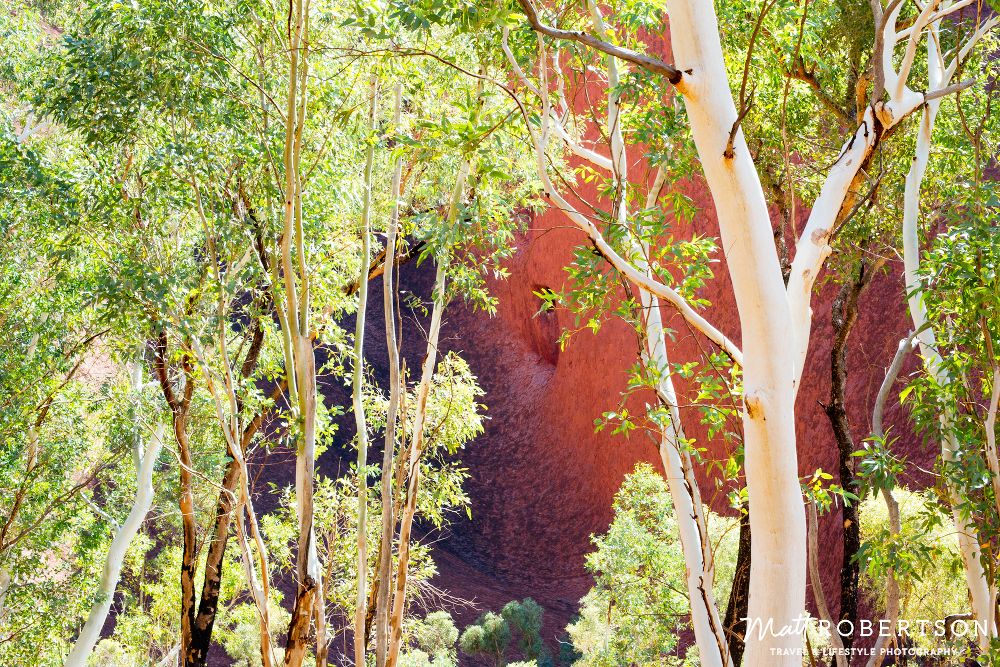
x,y
647,62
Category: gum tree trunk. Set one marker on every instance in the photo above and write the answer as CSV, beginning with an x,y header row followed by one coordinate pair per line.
x,y
778,554
145,460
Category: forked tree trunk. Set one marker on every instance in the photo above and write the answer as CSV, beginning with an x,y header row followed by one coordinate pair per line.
x,y
208,602
300,360
775,321
179,409
229,408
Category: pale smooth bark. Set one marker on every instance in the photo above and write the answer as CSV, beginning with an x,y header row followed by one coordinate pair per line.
x,y
813,247
382,605
777,519
769,313
991,436
706,620
5,581
357,390
300,360
417,445
713,649
145,458
549,121
983,596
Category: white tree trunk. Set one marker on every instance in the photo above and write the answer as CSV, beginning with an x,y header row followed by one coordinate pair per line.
x,y
981,593
713,649
91,631
384,598
775,321
778,570
357,391
991,436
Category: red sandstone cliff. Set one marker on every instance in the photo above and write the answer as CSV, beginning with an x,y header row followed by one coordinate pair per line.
x,y
542,479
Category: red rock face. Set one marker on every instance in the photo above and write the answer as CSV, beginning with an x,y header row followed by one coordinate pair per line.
x,y
543,480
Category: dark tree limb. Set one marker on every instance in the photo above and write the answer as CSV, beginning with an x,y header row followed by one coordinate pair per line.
x,y
378,264
739,595
647,62
844,317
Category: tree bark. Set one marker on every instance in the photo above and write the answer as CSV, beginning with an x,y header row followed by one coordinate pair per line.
x,y
843,317
204,620
417,444
91,631
300,360
739,595
991,437
382,609
357,392
145,461
816,580
895,525
778,572
179,408
982,594
208,603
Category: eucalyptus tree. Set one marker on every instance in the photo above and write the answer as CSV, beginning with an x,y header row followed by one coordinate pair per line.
x,y
145,451
773,300
55,404
458,192
977,240
209,238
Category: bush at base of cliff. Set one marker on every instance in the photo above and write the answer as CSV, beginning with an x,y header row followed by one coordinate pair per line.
x,y
435,636
490,636
638,607
925,556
